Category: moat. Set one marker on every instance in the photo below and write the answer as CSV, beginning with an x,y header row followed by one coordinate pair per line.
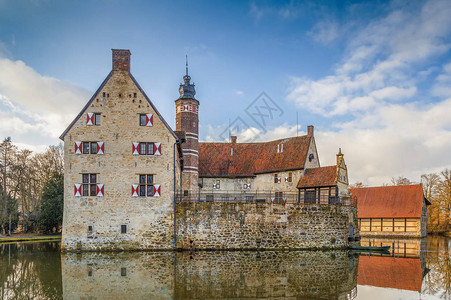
x,y
414,269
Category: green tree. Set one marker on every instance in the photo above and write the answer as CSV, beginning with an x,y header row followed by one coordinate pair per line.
x,y
51,211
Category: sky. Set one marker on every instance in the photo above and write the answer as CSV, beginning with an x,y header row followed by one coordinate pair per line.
x,y
373,77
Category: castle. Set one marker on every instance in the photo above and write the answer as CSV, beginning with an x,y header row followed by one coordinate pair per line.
x,y
131,182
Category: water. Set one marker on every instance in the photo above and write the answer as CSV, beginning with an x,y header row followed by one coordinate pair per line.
x,y
416,269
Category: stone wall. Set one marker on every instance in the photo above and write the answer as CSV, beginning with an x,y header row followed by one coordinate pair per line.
x,y
263,226
210,275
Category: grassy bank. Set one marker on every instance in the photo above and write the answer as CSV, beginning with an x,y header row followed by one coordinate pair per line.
x,y
12,239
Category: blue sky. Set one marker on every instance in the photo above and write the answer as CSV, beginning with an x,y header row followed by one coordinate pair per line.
x,y
374,77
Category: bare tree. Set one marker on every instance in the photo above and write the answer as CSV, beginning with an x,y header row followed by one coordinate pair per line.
x,y
430,183
445,196
358,184
400,181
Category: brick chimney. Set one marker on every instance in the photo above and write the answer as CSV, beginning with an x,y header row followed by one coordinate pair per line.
x,y
310,130
233,138
121,60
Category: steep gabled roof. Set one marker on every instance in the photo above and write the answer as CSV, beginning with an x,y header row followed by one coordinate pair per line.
x,y
249,159
402,201
324,176
390,272
100,88
86,106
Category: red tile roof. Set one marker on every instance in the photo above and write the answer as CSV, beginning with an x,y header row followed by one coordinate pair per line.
x,y
248,159
402,201
324,176
390,272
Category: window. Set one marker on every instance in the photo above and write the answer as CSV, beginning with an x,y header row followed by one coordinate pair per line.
x,y
290,177
249,198
90,229
123,271
142,120
278,197
146,185
276,178
123,228
310,157
93,147
97,119
89,147
89,184
185,193
210,198
85,147
310,196
146,148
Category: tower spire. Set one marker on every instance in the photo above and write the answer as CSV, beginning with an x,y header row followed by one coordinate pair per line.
x,y
187,89
186,56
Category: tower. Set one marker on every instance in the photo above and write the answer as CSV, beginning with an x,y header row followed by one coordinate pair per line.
x,y
187,119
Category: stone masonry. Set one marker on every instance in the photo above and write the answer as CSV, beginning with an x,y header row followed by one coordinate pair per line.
x,y
148,220
263,226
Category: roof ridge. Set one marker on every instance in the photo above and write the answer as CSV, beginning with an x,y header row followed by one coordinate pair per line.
x,y
389,186
255,143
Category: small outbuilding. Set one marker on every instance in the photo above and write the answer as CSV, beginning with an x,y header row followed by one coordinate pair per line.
x,y
391,210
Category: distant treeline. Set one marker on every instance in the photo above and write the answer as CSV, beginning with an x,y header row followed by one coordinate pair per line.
x,y
31,188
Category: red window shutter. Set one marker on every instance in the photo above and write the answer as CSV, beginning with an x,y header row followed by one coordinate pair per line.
x,y
157,148
135,149
156,190
99,190
135,188
77,190
78,147
149,120
194,108
185,107
286,179
90,119
279,180
100,148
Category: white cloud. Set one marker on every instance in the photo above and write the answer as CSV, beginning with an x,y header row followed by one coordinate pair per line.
x,y
393,93
325,32
388,130
381,62
35,109
239,93
442,87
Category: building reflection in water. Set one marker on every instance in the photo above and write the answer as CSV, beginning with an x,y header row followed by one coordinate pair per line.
x,y
207,275
39,271
403,268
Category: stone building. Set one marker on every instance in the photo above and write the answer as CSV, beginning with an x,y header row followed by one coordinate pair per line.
x,y
121,162
130,180
392,210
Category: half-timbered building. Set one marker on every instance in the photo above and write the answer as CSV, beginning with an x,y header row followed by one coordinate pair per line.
x,y
391,210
